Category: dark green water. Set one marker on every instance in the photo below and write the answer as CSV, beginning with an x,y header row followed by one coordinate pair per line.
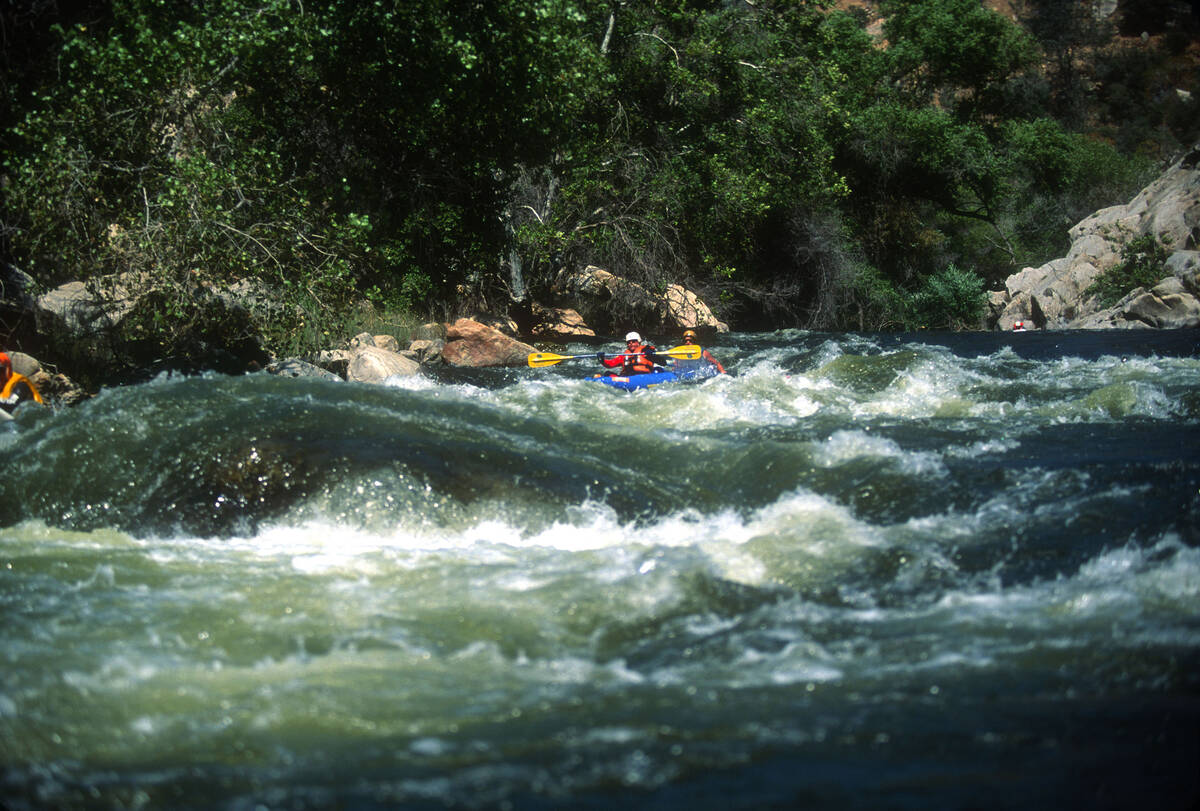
x,y
937,571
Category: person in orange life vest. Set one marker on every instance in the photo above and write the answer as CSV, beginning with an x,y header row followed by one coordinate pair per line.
x,y
689,338
15,388
637,359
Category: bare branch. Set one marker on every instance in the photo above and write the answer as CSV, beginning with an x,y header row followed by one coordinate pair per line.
x,y
612,18
253,239
664,42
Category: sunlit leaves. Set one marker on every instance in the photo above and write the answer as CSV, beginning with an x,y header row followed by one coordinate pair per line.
x,y
950,46
406,151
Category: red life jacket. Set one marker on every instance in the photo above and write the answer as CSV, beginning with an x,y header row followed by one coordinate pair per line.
x,y
639,364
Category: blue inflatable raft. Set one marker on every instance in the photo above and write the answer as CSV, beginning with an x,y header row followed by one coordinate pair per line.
x,y
656,378
634,382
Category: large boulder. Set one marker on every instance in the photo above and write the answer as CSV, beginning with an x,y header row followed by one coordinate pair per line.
x,y
612,304
80,324
374,364
1168,305
99,326
684,309
1053,296
469,343
606,301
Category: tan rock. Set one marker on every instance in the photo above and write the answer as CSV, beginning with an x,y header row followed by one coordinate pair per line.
x,y
611,302
685,310
371,364
1054,295
1167,306
469,343
387,342
560,324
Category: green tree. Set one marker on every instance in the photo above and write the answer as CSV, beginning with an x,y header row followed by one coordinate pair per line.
x,y
956,52
436,157
331,152
714,141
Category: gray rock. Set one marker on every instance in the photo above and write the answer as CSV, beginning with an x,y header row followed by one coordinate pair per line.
x,y
294,367
427,351
1053,296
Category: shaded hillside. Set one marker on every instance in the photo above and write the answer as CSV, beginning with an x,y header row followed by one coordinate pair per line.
x,y
1126,71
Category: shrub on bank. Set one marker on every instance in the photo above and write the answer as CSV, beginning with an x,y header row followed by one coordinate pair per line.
x,y
1143,264
949,299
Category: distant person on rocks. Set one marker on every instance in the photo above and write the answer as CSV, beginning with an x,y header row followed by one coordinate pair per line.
x,y
15,388
705,363
637,359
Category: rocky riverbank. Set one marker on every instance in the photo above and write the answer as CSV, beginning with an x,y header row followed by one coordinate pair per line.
x,y
1056,295
94,324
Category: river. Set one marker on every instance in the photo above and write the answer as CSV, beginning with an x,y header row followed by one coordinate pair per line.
x,y
864,571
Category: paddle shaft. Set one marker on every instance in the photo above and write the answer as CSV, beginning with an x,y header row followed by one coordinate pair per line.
x,y
687,352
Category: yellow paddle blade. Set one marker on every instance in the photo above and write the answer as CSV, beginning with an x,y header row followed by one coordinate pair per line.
x,y
685,352
540,359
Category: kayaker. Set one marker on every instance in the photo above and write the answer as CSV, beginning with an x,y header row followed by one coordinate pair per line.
x,y
637,359
689,338
15,388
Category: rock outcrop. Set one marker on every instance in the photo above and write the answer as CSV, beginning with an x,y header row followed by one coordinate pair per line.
x,y
374,364
559,324
1055,295
611,303
100,326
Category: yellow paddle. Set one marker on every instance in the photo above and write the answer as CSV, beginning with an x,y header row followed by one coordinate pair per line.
x,y
685,352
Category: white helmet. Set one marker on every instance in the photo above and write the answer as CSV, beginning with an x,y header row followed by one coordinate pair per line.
x,y
633,336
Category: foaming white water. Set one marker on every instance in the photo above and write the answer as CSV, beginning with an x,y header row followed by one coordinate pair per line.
x,y
411,382
1127,589
771,394
925,389
926,383
756,548
846,445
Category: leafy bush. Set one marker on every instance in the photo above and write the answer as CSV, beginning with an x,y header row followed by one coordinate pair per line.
x,y
870,301
1143,261
949,299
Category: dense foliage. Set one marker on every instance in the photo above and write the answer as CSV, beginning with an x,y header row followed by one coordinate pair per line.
x,y
431,157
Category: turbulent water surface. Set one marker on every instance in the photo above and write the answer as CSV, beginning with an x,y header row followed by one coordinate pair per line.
x,y
934,571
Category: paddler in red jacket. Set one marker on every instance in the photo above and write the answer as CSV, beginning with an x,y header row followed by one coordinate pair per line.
x,y
637,359
15,388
